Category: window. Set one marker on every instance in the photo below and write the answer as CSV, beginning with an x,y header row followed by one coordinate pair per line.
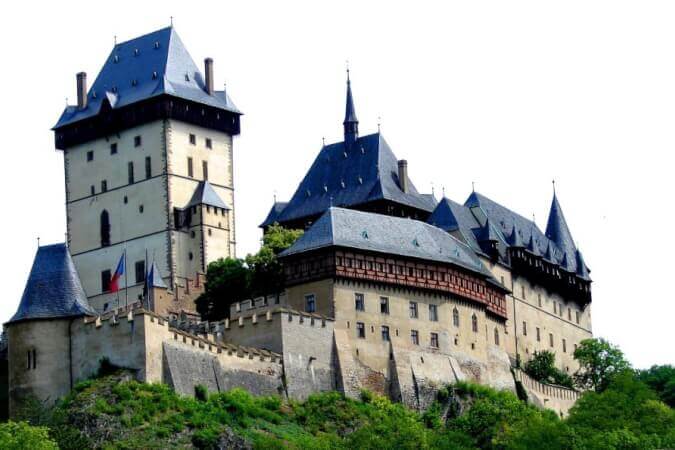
x,y
191,173
31,361
496,336
522,290
360,330
205,170
310,303
148,167
455,317
137,141
113,148
130,172
434,340
474,323
433,313
105,228
539,300
90,155
413,310
538,335
92,189
140,209
209,143
384,305
555,307
524,328
560,309
569,314
385,333
104,185
140,271
193,139
359,303
415,337
105,280
550,339
577,314
564,343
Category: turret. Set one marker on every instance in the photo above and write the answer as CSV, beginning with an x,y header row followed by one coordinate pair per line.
x,y
351,123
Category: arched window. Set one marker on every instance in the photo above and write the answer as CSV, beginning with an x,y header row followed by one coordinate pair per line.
x,y
105,229
496,336
455,317
474,323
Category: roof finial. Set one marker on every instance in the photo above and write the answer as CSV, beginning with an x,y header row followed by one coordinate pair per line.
x,y
347,69
534,219
553,181
38,241
115,39
443,189
433,190
351,123
323,141
379,123
473,186
171,20
275,196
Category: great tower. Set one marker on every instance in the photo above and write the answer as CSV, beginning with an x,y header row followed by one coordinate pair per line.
x,y
148,167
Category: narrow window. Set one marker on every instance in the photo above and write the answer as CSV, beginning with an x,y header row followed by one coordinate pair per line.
x,y
360,330
92,189
385,333
569,314
137,141
455,317
413,310
538,335
555,307
577,314
28,360
148,167
205,170
524,328
90,155
310,303
358,302
113,148
522,290
140,271
474,323
550,339
433,313
105,280
34,359
564,343
539,300
130,172
104,186
415,337
193,139
384,305
496,336
105,228
434,340
209,143
191,173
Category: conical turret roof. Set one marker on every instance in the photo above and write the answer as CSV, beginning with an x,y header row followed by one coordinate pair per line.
x,y
557,229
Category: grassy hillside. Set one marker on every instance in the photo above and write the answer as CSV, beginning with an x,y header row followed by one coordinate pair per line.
x,y
117,412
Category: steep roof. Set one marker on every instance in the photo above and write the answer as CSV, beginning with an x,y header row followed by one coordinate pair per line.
x,y
341,176
205,195
380,233
147,66
275,212
53,289
443,216
557,229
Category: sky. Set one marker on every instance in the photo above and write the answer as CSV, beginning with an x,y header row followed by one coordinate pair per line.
x,y
507,95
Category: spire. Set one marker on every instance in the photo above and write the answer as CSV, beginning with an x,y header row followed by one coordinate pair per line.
x,y
516,240
550,253
443,217
582,270
351,123
487,233
532,245
556,228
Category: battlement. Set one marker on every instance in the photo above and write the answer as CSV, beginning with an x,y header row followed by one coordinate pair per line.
x,y
224,348
270,315
259,304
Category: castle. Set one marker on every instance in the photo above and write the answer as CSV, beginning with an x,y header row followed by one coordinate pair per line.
x,y
388,289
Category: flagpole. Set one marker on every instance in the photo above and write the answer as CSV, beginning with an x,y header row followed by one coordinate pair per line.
x,y
126,282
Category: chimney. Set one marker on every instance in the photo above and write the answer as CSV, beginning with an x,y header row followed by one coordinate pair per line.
x,y
403,174
208,75
81,90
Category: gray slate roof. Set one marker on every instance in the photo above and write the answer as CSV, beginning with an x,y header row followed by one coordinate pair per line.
x,y
148,66
341,176
349,228
205,195
53,289
274,213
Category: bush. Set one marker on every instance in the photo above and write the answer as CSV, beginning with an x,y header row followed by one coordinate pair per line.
x,y
201,393
542,368
21,436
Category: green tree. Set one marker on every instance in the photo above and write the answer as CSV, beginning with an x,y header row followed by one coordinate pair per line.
x,y
21,436
227,282
542,368
599,361
662,380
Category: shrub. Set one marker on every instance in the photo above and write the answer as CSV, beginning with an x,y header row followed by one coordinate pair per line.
x,y
21,436
201,393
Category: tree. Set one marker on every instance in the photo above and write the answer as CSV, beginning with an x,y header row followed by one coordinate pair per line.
x,y
227,282
20,436
599,361
662,380
542,368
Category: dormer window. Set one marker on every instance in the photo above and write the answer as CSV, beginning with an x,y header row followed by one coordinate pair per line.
x,y
154,75
156,45
136,52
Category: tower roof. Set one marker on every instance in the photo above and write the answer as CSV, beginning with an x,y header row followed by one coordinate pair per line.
x,y
515,239
53,289
350,111
487,233
557,229
205,195
148,66
275,212
443,216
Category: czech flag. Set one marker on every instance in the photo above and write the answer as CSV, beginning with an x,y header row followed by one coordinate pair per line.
x,y
115,280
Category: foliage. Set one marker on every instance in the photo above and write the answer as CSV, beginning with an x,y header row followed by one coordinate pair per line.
x,y
599,362
22,436
201,393
231,280
662,380
542,368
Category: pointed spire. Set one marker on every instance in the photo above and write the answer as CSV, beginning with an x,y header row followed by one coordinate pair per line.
x,y
532,245
557,229
582,270
443,217
516,240
564,263
487,233
351,123
550,253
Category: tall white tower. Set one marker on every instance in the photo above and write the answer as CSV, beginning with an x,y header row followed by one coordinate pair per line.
x,y
148,167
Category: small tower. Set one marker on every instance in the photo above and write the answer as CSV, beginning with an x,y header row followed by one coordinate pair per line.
x,y
39,334
351,123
